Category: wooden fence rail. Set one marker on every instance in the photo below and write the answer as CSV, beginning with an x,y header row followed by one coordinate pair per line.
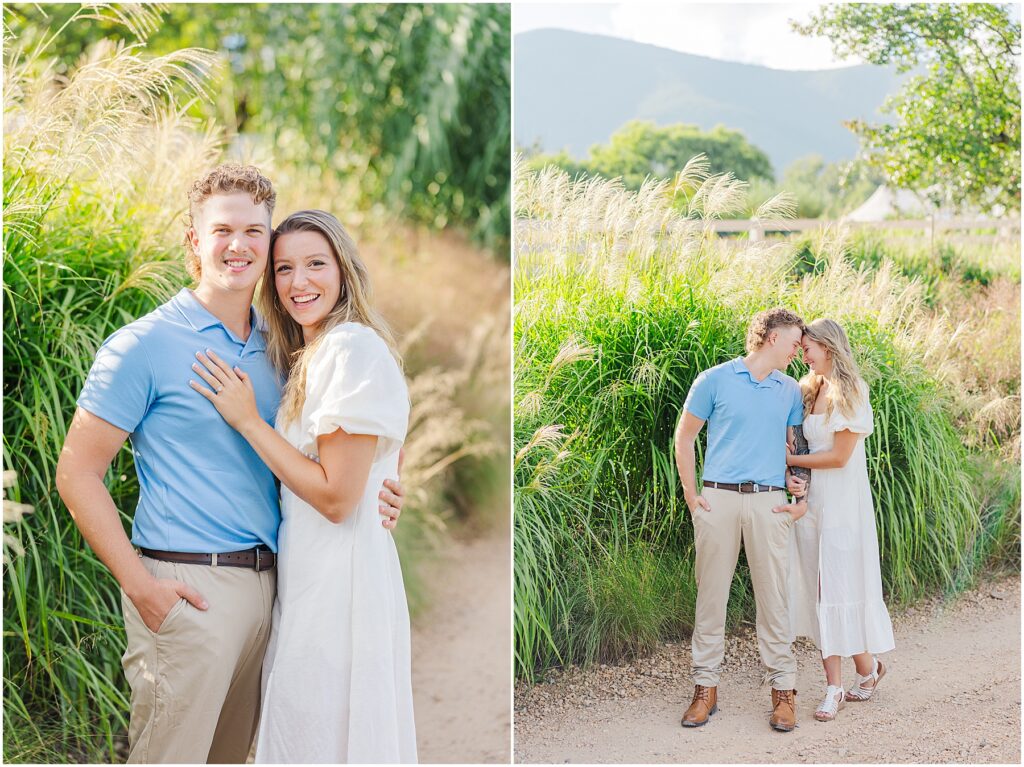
x,y
757,229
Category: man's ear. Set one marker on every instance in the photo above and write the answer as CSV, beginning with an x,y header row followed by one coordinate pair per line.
x,y
193,238
773,337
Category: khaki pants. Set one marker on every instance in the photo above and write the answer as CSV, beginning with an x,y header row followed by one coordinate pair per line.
x,y
765,535
196,682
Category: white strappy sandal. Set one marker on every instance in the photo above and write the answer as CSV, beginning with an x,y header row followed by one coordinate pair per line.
x,y
829,707
859,693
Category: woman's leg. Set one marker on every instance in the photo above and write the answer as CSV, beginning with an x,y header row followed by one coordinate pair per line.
x,y
865,665
834,694
833,670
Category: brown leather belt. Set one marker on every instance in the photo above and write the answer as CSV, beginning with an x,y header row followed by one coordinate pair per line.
x,y
744,487
260,558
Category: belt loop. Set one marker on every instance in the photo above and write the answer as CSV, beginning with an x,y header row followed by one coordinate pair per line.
x,y
213,559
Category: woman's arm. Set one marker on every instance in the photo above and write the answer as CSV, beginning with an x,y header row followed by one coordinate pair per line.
x,y
333,486
835,458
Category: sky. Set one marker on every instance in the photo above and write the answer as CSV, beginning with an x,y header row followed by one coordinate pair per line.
x,y
750,33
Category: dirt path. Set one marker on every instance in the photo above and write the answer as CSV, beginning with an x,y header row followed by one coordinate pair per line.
x,y
952,694
461,656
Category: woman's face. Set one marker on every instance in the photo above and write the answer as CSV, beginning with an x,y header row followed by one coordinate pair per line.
x,y
816,356
307,278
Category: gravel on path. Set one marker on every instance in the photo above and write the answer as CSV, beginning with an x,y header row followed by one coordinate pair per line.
x,y
952,694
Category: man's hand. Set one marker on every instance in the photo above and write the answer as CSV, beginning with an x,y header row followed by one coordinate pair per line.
x,y
156,601
392,497
796,486
795,510
694,502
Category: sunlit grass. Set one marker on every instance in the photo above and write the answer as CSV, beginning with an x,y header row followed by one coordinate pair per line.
x,y
620,302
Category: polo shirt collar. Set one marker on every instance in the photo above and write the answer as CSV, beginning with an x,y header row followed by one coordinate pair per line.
x,y
200,318
740,368
194,312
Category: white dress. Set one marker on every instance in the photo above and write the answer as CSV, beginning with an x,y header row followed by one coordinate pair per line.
x,y
836,544
336,677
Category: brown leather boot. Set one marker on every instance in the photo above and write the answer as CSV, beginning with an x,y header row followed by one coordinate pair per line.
x,y
783,716
705,703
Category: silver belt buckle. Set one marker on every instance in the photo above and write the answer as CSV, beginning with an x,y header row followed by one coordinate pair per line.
x,y
757,487
257,550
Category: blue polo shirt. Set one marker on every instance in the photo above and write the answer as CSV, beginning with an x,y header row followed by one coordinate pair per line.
x,y
747,422
202,488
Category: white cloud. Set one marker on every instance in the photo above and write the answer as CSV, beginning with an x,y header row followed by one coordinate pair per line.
x,y
751,33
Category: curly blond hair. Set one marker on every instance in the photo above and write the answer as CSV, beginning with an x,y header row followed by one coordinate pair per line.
x,y
763,323
224,179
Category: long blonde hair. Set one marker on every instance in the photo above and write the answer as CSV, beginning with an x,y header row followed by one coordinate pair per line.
x,y
847,389
286,348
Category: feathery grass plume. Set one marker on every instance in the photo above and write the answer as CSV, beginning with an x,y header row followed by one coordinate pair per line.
x,y
662,298
719,196
546,437
780,206
570,352
998,422
694,173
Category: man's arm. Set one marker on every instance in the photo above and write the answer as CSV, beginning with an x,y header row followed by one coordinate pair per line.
x,y
686,462
836,458
800,448
88,451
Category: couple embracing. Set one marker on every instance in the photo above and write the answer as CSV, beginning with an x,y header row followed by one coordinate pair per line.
x,y
261,587
813,563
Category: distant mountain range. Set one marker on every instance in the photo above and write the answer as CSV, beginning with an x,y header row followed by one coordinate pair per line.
x,y
573,90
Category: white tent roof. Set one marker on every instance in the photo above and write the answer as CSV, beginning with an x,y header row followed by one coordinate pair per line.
x,y
888,203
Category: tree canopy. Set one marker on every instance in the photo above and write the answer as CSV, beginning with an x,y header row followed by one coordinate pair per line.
x,y
409,103
956,128
641,149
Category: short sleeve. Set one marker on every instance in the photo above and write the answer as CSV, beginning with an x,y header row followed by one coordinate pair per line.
x,y
700,399
862,421
796,408
354,383
120,385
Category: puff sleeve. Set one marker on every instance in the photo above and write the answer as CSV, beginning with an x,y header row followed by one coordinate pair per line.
x,y
354,383
862,421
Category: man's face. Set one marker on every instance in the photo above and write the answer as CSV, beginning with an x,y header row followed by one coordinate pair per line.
x,y
231,236
786,345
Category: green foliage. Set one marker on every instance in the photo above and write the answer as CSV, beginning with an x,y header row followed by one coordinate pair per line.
x,y
828,190
613,323
640,150
957,126
407,103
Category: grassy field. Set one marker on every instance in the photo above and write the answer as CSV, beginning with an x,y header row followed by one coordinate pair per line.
x,y
96,165
620,301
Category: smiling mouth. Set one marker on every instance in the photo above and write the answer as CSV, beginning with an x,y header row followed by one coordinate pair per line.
x,y
237,263
305,300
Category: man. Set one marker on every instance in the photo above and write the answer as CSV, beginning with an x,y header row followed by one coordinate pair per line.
x,y
197,601
749,404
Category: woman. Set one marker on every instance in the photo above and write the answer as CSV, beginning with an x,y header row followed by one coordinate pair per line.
x,y
336,679
838,600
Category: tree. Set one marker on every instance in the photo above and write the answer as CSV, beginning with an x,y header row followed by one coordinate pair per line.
x,y
956,133
408,102
641,149
828,189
